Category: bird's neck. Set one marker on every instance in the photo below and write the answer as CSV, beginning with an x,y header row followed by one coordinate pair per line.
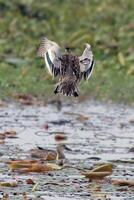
x,y
60,154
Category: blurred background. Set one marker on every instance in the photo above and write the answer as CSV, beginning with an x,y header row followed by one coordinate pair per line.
x,y
107,25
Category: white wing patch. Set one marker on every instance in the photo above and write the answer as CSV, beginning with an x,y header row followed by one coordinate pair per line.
x,y
47,63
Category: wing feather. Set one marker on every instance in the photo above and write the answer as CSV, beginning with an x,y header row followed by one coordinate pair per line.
x,y
86,62
51,53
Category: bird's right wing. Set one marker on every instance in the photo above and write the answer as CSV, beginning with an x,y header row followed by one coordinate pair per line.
x,y
51,52
86,62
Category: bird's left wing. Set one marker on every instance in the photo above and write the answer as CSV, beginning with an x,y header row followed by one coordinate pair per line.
x,y
86,62
51,52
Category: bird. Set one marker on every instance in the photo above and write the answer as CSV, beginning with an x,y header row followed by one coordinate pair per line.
x,y
60,158
70,68
49,155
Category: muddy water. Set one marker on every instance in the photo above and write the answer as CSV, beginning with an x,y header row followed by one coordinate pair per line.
x,y
105,135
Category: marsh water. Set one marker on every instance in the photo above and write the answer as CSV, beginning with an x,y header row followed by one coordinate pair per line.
x,y
96,132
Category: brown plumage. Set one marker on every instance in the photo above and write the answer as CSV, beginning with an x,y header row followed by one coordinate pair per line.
x,y
70,68
70,76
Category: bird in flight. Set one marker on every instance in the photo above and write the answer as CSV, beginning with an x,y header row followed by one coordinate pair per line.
x,y
69,68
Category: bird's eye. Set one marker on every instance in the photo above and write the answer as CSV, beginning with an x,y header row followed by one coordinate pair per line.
x,y
82,61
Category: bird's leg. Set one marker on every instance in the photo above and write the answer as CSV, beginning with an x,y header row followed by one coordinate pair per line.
x,y
56,89
75,94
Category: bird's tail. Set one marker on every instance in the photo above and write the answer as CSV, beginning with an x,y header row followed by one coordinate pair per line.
x,y
68,88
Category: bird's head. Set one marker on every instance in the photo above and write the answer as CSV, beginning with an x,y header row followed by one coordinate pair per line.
x,y
67,49
61,147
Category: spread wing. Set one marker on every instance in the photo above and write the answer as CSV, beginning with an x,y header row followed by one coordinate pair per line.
x,y
51,53
86,62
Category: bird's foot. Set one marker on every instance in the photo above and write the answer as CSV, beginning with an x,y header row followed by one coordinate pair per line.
x,y
56,90
75,94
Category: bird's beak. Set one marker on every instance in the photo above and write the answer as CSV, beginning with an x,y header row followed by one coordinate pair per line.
x,y
67,148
